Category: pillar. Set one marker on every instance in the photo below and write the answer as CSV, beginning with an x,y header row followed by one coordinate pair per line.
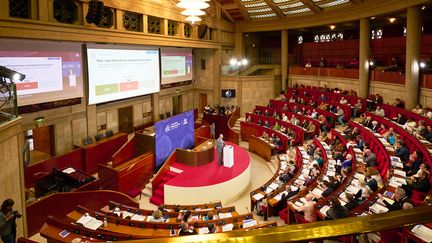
x,y
284,58
217,56
364,58
413,44
239,45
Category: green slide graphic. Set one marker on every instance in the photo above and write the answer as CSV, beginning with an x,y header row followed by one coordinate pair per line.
x,y
106,89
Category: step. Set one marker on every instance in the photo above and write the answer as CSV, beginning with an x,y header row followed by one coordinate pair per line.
x,y
159,192
171,173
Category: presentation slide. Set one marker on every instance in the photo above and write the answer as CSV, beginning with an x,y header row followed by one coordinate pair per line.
x,y
174,132
53,69
121,72
176,65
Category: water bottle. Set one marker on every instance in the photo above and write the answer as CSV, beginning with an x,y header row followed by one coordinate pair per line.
x,y
105,222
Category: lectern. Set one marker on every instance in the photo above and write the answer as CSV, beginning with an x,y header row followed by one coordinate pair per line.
x,y
228,156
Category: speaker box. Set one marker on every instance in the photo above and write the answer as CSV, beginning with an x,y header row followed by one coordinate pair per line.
x,y
202,30
91,13
99,13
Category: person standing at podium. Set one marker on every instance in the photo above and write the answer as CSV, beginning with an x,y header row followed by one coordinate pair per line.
x,y
219,147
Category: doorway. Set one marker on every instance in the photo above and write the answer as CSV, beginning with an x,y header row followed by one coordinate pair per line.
x,y
125,117
177,104
203,102
41,143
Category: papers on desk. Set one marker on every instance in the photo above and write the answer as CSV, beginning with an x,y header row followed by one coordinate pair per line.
x,y
299,182
400,172
317,191
377,208
395,159
225,215
357,150
138,217
293,188
359,176
303,200
69,170
249,223
269,189
331,173
273,186
342,202
258,196
399,181
195,218
298,204
324,209
125,214
227,227
90,222
203,230
422,232
353,189
389,200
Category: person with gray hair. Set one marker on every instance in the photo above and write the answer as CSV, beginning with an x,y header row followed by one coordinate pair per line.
x,y
400,199
185,230
369,158
219,147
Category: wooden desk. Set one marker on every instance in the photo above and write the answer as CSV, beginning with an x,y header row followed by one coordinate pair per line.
x,y
129,177
260,147
200,155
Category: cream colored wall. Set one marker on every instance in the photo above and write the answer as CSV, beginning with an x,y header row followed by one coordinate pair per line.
x,y
11,173
250,91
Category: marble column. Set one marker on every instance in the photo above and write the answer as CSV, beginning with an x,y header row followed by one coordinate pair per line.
x,y
364,58
284,58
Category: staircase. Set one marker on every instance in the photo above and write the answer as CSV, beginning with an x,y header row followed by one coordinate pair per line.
x,y
158,193
236,126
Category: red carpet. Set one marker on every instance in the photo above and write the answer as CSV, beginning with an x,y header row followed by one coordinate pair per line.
x,y
212,173
205,175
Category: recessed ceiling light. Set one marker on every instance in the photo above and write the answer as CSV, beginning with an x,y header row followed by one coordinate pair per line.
x,y
332,27
423,7
392,20
373,17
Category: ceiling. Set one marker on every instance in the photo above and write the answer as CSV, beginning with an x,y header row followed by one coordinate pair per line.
x,y
256,10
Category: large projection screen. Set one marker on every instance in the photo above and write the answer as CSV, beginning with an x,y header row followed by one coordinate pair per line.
x,y
174,132
53,69
176,65
117,72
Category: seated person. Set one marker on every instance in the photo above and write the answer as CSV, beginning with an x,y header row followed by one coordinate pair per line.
x,y
373,174
347,162
382,129
307,208
374,102
400,199
390,136
283,129
186,230
291,135
285,107
352,203
343,101
284,117
267,124
364,192
375,126
400,119
420,183
249,119
265,136
418,110
340,115
157,216
368,122
414,162
276,126
275,115
259,122
292,100
420,130
369,158
357,108
410,125
402,151
379,111
398,103
314,114
337,211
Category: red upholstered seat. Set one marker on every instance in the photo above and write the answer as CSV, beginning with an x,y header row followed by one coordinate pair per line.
x,y
418,197
283,214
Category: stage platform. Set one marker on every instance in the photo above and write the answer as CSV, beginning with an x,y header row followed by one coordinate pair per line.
x,y
209,182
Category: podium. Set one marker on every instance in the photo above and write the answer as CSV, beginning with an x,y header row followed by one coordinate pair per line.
x,y
228,156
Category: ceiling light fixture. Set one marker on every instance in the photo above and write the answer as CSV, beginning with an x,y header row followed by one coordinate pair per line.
x,y
192,9
392,20
332,27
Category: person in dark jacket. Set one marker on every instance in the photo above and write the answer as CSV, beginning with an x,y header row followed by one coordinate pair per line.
x,y
337,211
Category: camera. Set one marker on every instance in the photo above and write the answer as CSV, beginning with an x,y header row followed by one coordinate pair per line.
x,y
16,214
